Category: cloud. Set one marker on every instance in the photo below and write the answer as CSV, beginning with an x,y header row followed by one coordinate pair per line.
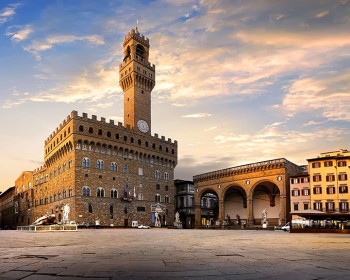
x,y
321,14
8,12
197,116
38,46
329,94
21,34
97,86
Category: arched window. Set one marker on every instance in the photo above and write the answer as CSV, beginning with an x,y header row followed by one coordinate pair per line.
x,y
157,197
114,193
109,134
99,164
64,167
166,176
125,168
91,130
64,194
166,188
157,174
70,192
157,187
113,166
86,162
100,192
166,199
111,210
90,208
100,132
81,128
86,191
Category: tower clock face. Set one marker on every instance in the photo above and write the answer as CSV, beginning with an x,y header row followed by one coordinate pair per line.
x,y
142,126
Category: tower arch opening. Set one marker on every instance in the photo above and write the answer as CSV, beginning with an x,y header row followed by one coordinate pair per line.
x,y
140,51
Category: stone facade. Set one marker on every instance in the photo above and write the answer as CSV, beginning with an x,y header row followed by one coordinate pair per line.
x,y
244,192
7,209
110,174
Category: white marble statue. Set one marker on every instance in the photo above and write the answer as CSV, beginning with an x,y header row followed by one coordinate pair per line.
x,y
66,210
157,222
177,217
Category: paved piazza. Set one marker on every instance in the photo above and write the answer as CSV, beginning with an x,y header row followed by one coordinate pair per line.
x,y
175,254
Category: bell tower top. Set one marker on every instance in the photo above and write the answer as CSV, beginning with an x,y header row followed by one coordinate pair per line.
x,y
137,79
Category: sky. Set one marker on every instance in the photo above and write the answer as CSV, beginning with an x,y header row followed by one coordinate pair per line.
x,y
236,81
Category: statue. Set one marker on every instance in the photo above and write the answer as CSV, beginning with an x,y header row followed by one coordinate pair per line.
x,y
157,222
45,220
264,217
177,217
66,210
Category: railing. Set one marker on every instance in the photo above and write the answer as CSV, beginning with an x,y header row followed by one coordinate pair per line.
x,y
48,228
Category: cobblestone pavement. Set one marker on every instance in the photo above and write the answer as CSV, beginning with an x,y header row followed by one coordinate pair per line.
x,y
175,254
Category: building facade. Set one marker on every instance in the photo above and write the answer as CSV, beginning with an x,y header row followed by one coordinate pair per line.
x,y
184,202
7,209
245,192
108,173
329,181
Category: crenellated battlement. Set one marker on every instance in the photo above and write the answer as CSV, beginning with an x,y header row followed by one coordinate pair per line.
x,y
102,121
135,34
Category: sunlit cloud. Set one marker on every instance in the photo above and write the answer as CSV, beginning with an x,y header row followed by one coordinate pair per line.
x,y
8,12
197,116
38,46
321,14
329,94
21,34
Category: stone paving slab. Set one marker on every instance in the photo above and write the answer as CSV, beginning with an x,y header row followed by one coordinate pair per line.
x,y
172,254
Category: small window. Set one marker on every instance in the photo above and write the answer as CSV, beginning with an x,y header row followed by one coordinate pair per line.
x,y
90,208
342,163
99,164
86,191
109,134
113,166
328,163
100,192
140,171
157,187
86,162
157,197
316,165
295,206
125,168
81,128
317,190
91,130
157,174
100,132
114,193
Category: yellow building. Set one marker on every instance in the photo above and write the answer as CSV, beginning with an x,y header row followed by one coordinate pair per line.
x,y
329,182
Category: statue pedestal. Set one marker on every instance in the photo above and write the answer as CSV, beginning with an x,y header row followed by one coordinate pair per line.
x,y
178,225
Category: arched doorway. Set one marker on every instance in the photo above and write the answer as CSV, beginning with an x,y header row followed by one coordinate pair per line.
x,y
266,197
235,206
209,208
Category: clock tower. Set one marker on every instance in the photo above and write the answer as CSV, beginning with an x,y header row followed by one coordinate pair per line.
x,y
137,79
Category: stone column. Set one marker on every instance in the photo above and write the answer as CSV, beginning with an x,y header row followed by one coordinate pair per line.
x,y
250,211
221,211
283,212
197,214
